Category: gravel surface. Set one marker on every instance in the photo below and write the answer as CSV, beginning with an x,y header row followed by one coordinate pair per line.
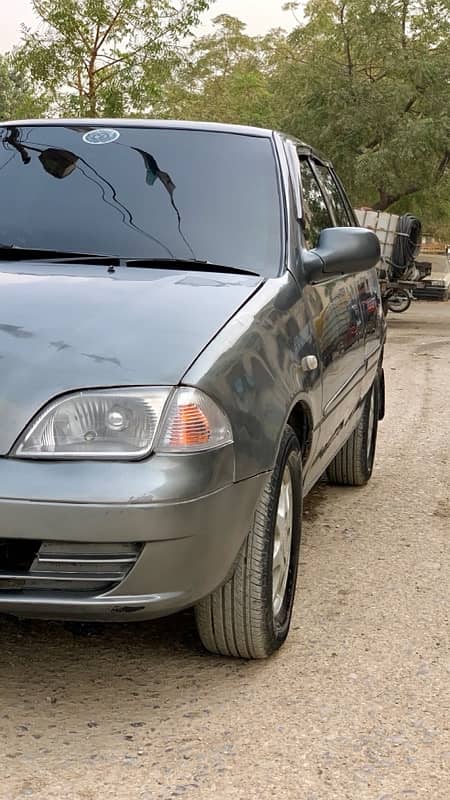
x,y
354,707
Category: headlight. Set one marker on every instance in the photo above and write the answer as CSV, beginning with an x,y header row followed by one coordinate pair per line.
x,y
125,424
118,423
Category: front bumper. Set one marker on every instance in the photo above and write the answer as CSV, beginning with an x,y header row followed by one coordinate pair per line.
x,y
187,545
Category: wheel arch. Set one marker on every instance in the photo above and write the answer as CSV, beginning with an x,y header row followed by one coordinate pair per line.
x,y
301,421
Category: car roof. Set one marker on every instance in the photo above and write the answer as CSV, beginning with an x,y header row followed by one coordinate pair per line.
x,y
146,123
216,127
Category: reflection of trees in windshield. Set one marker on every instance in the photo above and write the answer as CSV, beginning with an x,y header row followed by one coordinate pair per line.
x,y
152,174
125,213
12,137
57,162
61,163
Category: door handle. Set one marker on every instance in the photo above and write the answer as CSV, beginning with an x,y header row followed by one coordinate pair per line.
x,y
309,363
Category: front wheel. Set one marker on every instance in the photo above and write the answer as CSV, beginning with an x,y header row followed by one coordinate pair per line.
x,y
399,301
353,465
249,616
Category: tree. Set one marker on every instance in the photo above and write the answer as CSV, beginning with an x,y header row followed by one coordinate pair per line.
x,y
368,81
106,57
17,97
224,77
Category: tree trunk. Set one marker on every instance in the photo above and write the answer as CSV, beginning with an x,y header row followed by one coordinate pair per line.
x,y
92,97
405,9
348,51
92,89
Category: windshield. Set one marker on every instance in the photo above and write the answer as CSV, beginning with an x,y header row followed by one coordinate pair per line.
x,y
141,193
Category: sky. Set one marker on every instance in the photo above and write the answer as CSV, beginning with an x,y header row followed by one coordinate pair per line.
x,y
260,16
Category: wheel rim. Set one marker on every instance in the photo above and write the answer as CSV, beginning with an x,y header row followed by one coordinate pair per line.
x,y
370,425
398,302
282,542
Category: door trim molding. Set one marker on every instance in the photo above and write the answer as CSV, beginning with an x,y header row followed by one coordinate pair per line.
x,y
337,395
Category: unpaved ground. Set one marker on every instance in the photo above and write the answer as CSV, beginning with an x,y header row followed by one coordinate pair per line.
x,y
355,707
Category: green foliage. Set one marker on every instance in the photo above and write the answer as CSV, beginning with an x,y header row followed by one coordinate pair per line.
x,y
106,57
223,77
366,81
18,99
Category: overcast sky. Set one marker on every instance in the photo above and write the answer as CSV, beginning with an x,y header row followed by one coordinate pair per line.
x,y
260,16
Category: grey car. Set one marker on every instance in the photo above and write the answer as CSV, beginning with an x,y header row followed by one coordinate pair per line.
x,y
191,335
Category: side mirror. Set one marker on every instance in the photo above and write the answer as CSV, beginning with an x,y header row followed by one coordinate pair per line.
x,y
342,251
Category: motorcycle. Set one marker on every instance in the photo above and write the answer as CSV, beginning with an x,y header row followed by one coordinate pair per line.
x,y
398,300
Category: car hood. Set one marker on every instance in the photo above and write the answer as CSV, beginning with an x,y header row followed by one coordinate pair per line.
x,y
68,327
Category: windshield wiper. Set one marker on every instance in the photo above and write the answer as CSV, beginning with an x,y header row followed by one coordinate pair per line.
x,y
188,263
15,253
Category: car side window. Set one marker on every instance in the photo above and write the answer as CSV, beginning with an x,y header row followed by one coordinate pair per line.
x,y
316,216
334,196
347,203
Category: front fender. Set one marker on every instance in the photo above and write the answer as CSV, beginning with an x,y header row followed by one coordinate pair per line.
x,y
253,369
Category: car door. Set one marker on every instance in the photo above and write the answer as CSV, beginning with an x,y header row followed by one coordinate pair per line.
x,y
334,306
367,285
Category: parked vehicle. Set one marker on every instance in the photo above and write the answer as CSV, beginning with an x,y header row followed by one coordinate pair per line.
x,y
398,300
191,334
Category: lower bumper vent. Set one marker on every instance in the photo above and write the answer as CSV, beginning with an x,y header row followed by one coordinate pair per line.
x,y
31,565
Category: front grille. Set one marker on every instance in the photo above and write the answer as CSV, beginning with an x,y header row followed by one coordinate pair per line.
x,y
64,566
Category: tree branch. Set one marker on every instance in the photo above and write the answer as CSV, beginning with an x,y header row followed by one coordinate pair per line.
x,y
376,142
409,104
110,27
120,60
443,164
372,78
386,200
97,34
346,39
127,56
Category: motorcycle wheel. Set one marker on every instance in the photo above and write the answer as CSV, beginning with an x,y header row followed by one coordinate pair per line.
x,y
399,301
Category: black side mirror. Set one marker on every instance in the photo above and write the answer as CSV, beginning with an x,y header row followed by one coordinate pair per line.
x,y
342,251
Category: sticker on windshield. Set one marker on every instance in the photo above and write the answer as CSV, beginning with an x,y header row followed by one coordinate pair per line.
x,y
101,136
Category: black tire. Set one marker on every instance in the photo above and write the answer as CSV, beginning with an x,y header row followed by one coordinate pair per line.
x,y
353,465
399,301
238,618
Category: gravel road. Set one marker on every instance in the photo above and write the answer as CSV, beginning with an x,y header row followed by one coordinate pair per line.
x,y
355,706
